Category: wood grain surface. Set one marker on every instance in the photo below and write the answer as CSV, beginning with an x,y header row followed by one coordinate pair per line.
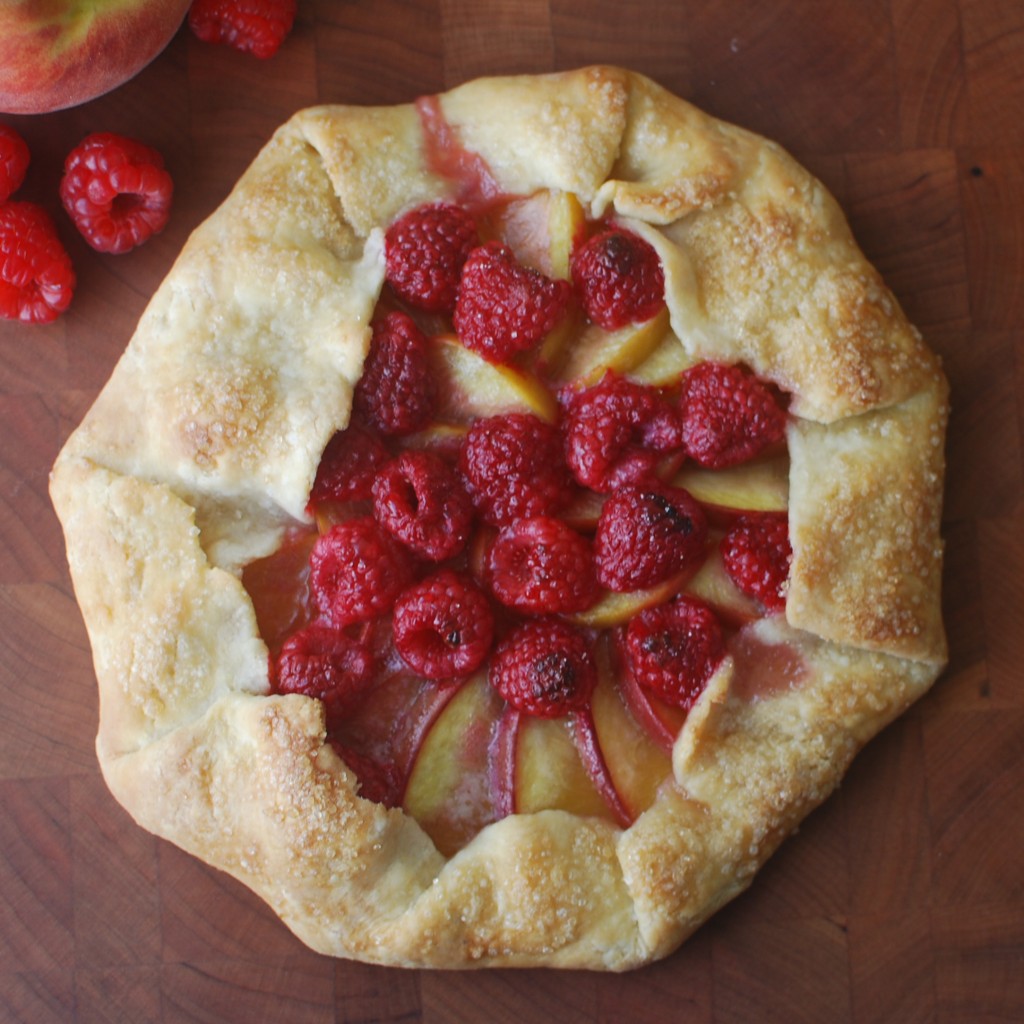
x,y
902,899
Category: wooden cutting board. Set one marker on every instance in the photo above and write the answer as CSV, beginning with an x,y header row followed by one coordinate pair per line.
x,y
902,899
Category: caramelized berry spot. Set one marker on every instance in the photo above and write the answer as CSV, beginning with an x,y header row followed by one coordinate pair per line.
x,y
647,533
545,668
619,279
673,649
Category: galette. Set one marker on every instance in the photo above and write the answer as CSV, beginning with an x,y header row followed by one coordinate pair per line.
x,y
511,515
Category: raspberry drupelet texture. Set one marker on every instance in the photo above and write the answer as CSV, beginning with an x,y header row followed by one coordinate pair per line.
x,y
616,431
421,500
14,161
396,392
618,278
357,570
756,553
674,648
647,533
116,191
258,27
513,467
37,280
728,415
503,307
425,251
348,467
542,566
545,668
443,626
323,662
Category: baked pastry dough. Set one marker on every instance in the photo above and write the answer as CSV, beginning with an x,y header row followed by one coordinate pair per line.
x,y
201,451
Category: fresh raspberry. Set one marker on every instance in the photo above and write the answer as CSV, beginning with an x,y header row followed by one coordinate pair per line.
x,y
728,415
619,279
348,467
116,191
503,307
14,160
379,781
544,668
514,468
542,565
425,251
421,500
673,649
323,662
443,626
357,570
37,279
756,553
645,534
615,431
252,26
396,393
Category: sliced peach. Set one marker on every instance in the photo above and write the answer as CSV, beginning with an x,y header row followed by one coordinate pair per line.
x,y
597,350
584,510
471,387
566,225
553,351
449,791
442,437
661,721
330,513
713,585
615,608
521,223
591,754
392,721
541,229
636,763
664,364
759,486
549,772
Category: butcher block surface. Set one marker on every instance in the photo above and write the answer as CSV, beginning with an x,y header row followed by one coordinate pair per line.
x,y
902,898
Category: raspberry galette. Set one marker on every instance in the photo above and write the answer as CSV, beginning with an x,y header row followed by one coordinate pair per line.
x,y
511,515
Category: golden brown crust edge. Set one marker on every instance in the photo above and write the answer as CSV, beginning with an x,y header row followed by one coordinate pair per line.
x,y
185,729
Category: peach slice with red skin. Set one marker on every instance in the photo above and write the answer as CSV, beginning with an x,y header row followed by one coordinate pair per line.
x,y
596,350
664,365
541,229
615,608
636,764
761,485
592,755
540,767
474,388
662,721
711,583
393,721
449,790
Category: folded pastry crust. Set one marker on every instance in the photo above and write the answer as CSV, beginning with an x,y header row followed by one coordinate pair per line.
x,y
203,446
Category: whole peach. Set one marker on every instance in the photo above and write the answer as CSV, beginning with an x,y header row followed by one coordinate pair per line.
x,y
59,53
